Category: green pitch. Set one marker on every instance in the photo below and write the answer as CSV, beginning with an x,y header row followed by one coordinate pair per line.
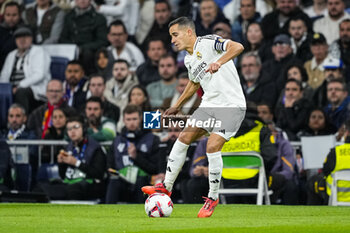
x,y
37,218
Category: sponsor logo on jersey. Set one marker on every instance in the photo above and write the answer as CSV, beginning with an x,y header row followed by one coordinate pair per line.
x,y
199,72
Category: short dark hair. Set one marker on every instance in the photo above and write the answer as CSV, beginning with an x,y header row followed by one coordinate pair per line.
x,y
340,81
183,22
263,103
154,40
121,61
183,75
118,22
293,80
344,21
300,67
95,99
167,55
165,2
132,108
253,1
9,4
75,62
97,75
78,118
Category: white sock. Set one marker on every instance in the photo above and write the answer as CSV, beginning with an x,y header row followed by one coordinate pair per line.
x,y
215,170
175,162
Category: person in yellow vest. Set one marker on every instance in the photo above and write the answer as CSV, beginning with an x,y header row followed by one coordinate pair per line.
x,y
319,186
253,135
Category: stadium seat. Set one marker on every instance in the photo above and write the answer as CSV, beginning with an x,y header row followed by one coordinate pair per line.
x,y
23,178
69,51
58,67
253,164
5,102
339,176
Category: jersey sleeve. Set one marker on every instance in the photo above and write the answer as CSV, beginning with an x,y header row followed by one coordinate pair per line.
x,y
190,75
215,42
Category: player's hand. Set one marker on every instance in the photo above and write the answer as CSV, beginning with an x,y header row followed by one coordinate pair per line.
x,y
171,111
213,67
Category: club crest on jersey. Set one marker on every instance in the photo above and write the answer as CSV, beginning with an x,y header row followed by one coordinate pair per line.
x,y
199,55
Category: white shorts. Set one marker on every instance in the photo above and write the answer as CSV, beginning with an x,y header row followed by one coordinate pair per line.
x,y
224,121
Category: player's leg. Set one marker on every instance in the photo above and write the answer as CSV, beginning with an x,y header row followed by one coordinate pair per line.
x,y
230,120
176,160
178,154
214,146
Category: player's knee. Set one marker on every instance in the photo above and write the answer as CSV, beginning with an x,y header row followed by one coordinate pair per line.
x,y
184,138
212,148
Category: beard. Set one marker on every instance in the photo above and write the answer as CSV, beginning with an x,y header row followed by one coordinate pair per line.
x,y
251,77
94,120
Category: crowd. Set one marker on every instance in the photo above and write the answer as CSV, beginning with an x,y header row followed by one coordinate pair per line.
x,y
295,74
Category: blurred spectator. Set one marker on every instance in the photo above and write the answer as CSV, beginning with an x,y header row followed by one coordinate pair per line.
x,y
147,72
255,43
314,67
119,86
255,86
139,96
160,30
247,16
283,55
191,105
27,68
232,9
86,28
76,85
223,29
101,63
300,39
12,19
120,48
81,166
209,15
333,69
16,120
57,131
317,10
125,10
277,21
180,190
97,87
319,185
338,109
17,130
292,114
46,21
135,154
340,48
164,88
298,72
329,25
100,128
283,174
40,120
318,124
253,135
6,183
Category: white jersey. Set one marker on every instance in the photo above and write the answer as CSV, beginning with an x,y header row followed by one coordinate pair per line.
x,y
222,88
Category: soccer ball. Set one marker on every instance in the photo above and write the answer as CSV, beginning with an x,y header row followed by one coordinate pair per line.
x,y
158,205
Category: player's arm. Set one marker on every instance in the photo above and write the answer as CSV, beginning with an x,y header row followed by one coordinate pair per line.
x,y
189,91
233,49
